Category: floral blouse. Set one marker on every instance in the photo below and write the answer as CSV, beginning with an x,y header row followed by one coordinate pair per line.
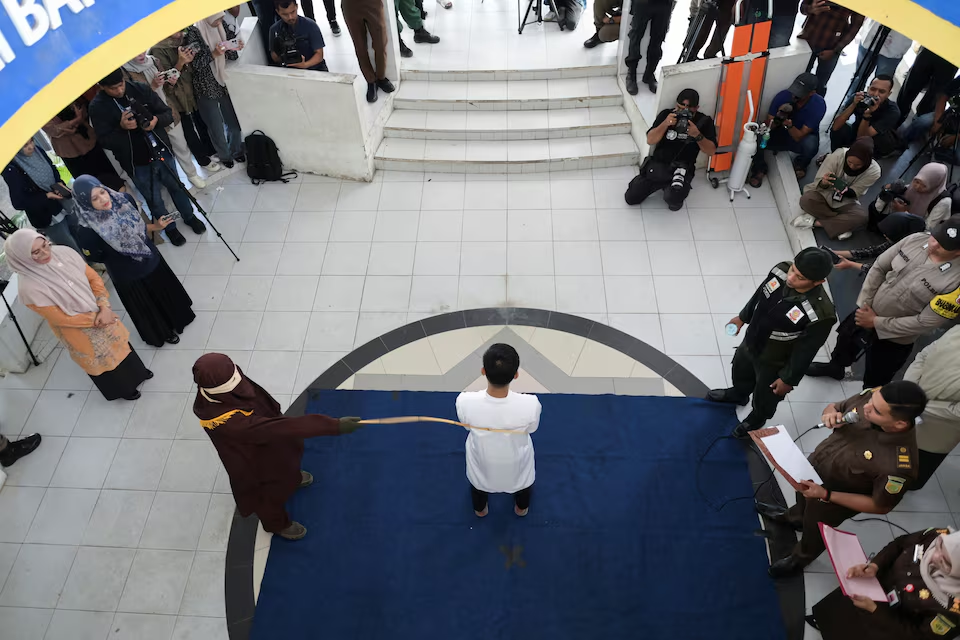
x,y
205,85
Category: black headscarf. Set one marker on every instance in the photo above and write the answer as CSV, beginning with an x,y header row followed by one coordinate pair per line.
x,y
861,149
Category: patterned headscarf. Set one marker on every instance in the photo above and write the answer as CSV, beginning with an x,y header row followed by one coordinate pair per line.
x,y
120,226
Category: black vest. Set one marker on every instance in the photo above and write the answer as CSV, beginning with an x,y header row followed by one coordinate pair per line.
x,y
778,318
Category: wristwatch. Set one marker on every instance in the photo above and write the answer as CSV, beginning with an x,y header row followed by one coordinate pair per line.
x,y
699,137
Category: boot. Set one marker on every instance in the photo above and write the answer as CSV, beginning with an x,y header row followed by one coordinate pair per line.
x,y
632,87
777,514
593,41
385,85
826,369
742,430
651,81
17,449
423,36
726,395
176,237
371,92
295,531
405,51
786,567
196,225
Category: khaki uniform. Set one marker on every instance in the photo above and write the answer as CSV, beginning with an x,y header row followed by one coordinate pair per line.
x,y
856,458
918,616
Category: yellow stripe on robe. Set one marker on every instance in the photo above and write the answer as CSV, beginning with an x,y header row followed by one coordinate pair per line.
x,y
219,420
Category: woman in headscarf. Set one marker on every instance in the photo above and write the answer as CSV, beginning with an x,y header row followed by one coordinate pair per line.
x,y
57,284
895,227
31,178
112,231
210,87
259,447
925,197
923,571
832,200
75,141
144,69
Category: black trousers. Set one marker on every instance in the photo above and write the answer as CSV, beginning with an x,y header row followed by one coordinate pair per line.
x,y
655,176
884,143
329,5
754,376
658,17
929,463
198,138
809,512
883,357
930,72
520,498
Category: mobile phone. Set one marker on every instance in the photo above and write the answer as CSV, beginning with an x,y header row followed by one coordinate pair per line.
x,y
833,256
169,73
231,45
61,190
839,184
193,47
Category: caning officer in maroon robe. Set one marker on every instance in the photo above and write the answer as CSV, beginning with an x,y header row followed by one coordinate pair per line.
x,y
260,448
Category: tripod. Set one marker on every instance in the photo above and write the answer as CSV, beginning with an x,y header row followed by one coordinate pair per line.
x,y
26,343
707,10
951,115
538,12
859,80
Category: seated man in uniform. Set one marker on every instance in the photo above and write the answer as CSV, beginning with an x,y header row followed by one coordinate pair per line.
x,y
866,467
680,134
790,316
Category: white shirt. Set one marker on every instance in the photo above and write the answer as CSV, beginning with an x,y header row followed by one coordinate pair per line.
x,y
500,462
895,46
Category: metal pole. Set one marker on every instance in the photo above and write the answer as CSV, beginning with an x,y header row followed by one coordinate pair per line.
x,y
13,317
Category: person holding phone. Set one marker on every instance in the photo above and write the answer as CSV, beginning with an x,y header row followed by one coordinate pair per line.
x,y
113,232
832,200
895,227
828,28
37,190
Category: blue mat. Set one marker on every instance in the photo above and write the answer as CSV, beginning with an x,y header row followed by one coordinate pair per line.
x,y
618,544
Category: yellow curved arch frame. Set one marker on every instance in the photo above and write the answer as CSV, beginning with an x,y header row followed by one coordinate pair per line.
x,y
906,17
88,70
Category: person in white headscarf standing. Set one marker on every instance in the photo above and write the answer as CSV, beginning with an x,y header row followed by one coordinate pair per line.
x,y
207,37
920,573
144,69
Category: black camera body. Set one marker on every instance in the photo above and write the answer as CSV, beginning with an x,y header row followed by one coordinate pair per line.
x,y
895,191
683,121
285,46
867,102
784,113
141,114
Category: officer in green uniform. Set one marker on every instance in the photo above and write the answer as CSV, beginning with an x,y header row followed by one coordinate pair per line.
x,y
789,317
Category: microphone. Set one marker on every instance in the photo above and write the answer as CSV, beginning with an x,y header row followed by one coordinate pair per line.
x,y
848,418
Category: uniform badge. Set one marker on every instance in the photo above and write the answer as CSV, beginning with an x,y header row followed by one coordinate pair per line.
x,y
924,594
86,252
795,314
941,625
943,532
773,285
908,588
868,455
955,606
944,267
894,484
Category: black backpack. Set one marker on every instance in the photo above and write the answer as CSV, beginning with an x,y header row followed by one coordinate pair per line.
x,y
263,159
953,191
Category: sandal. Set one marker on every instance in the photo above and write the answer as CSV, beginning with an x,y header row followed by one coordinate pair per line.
x,y
756,180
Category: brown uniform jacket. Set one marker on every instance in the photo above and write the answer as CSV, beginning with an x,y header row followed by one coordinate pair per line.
x,y
918,616
862,458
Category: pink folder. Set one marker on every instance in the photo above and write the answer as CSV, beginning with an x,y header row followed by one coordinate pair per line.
x,y
845,552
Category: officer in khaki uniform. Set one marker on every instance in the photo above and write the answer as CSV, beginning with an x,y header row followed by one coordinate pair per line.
x,y
911,289
789,317
866,467
913,571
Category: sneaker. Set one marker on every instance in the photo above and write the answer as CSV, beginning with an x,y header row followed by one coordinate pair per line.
x,y
19,448
405,51
550,17
593,41
213,167
385,85
803,221
196,224
371,92
198,182
423,36
820,160
295,531
176,237
335,28
446,4
845,235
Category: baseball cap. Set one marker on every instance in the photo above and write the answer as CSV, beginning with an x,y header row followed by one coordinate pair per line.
x,y
802,85
947,233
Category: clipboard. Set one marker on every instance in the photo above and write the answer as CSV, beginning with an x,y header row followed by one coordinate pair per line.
x,y
783,453
845,551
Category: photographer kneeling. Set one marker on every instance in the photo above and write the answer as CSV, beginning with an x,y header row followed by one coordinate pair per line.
x,y
296,41
130,120
874,116
680,135
794,120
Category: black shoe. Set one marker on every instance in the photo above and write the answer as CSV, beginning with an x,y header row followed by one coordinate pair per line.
x,y
335,27
785,567
371,92
240,158
632,87
593,41
726,395
810,620
825,369
742,430
385,85
675,206
776,513
423,36
149,374
173,339
405,51
651,83
133,396
227,163
196,225
17,449
176,237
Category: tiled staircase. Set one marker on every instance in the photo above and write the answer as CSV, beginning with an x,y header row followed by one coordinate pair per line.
x,y
455,122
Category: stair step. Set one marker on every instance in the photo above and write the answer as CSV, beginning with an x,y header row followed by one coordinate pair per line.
x,y
507,125
506,156
509,95
454,75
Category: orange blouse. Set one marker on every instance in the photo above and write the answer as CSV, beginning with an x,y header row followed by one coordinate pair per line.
x,y
96,349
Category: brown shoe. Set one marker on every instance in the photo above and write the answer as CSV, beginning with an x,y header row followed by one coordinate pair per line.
x,y
295,531
306,479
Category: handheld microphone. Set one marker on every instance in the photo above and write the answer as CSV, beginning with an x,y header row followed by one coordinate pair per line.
x,y
848,418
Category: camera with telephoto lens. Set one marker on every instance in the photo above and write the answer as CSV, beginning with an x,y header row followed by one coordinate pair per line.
x,y
784,113
679,178
683,120
140,113
895,191
285,46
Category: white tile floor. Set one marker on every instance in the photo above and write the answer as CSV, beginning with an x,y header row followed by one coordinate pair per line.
x,y
131,497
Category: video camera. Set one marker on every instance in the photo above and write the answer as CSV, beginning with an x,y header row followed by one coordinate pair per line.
x,y
285,46
895,191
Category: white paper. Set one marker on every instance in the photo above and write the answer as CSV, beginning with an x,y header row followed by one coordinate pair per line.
x,y
788,455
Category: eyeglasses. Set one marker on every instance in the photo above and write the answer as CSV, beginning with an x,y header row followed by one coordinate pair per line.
x,y
684,105
36,253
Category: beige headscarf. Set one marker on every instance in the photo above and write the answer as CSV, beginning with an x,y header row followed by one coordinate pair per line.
x,y
62,282
213,36
943,585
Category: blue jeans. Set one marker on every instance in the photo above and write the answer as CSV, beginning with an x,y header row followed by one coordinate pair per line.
x,y
805,148
824,70
62,232
781,29
884,67
150,177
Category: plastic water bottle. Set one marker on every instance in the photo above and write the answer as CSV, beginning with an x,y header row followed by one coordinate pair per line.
x,y
731,329
764,140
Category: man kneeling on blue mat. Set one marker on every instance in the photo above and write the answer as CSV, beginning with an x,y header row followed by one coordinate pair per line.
x,y
499,462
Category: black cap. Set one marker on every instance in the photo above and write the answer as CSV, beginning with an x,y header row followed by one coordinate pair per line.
x,y
802,85
947,233
690,96
813,263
